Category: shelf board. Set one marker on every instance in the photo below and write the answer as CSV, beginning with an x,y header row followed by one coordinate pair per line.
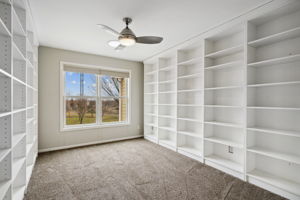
x,y
167,116
190,90
167,81
275,84
168,68
3,29
150,93
292,158
17,138
275,131
276,61
191,134
224,124
17,55
189,119
151,73
273,108
4,186
150,114
285,184
29,147
225,52
190,61
167,128
191,150
3,114
18,192
3,153
16,166
167,92
167,104
223,141
225,162
289,34
224,88
150,104
225,65
222,106
190,105
196,75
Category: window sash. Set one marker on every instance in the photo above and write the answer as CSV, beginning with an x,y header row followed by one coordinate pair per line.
x,y
98,98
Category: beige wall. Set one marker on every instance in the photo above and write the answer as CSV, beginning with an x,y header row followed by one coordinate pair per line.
x,y
50,136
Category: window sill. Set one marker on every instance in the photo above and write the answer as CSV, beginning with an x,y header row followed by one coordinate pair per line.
x,y
94,126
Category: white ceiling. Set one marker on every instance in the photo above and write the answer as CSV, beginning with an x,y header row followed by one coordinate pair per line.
x,y
71,24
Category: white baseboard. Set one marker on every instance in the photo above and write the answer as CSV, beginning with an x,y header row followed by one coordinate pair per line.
x,y
89,143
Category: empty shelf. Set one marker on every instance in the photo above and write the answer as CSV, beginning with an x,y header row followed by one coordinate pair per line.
x,y
167,142
275,131
190,90
223,141
225,162
3,153
275,84
224,88
191,134
274,154
4,185
191,150
190,119
17,138
276,61
225,65
196,75
167,128
223,124
190,61
16,166
225,52
292,33
272,108
276,181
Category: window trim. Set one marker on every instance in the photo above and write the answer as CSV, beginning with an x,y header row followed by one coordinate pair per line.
x,y
64,127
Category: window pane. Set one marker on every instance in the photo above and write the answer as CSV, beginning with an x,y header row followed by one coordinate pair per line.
x,y
114,110
80,84
80,111
72,84
110,86
90,85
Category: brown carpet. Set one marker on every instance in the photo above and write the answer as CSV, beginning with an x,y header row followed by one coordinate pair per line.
x,y
133,170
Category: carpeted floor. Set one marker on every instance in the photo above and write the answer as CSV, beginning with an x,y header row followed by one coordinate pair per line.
x,y
133,170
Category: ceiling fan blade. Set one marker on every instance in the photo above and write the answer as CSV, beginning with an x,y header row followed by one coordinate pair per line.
x,y
109,30
120,47
116,45
149,39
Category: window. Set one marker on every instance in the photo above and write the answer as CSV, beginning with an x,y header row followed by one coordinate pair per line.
x,y
94,97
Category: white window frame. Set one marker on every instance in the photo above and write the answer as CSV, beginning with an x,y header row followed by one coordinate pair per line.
x,y
98,124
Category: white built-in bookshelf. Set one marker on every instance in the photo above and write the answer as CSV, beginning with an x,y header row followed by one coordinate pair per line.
x,y
231,99
18,98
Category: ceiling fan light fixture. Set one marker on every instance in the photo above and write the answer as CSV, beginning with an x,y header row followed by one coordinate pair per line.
x,y
127,40
113,43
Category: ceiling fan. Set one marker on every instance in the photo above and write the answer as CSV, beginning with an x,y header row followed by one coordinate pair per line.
x,y
127,38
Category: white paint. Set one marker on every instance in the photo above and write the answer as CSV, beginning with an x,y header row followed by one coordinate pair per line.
x,y
71,24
